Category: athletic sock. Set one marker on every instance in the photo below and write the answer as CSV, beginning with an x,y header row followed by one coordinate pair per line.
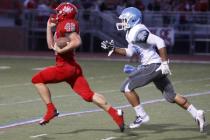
x,y
113,113
192,110
140,111
50,107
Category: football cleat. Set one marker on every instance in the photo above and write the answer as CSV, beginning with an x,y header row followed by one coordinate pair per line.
x,y
200,119
139,121
48,116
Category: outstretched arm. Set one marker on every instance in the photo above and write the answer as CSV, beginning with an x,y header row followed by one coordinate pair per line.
x,y
121,51
110,46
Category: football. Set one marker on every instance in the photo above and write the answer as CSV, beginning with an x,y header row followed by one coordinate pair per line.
x,y
62,41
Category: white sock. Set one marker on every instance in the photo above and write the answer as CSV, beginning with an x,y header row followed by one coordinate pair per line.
x,y
140,111
192,110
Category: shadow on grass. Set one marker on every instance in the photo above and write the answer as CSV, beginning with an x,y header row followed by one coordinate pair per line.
x,y
127,134
144,131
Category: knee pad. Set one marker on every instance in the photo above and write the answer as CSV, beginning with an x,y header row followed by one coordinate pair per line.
x,y
37,79
169,94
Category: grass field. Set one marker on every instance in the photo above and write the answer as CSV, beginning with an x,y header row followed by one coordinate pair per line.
x,y
20,104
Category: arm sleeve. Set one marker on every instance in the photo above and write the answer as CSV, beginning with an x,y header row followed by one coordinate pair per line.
x,y
129,51
156,40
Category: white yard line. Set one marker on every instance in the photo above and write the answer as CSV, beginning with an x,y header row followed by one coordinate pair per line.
x,y
105,91
55,97
5,67
38,69
109,138
40,135
29,84
19,123
192,80
15,85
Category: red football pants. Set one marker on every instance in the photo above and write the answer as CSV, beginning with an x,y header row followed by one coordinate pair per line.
x,y
70,73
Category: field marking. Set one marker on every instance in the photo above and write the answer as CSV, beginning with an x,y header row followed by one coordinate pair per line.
x,y
5,67
55,97
15,85
106,91
20,123
192,80
38,68
40,135
99,58
29,84
101,77
109,138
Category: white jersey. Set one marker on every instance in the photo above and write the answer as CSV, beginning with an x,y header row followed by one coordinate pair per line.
x,y
142,42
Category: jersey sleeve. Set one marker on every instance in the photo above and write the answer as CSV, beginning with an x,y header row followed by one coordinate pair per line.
x,y
143,35
140,34
156,40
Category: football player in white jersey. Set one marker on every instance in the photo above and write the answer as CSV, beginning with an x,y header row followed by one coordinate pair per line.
x,y
153,66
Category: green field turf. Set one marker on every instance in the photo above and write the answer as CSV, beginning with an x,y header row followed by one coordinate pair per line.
x,y
19,102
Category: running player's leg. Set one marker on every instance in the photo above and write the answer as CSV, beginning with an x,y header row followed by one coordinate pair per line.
x,y
48,75
165,86
136,79
81,87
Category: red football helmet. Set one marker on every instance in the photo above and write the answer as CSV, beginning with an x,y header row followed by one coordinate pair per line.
x,y
65,10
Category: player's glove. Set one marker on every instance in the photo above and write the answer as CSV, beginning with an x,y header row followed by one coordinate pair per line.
x,y
164,67
108,45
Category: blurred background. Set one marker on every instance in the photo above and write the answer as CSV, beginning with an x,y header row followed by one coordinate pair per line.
x,y
184,24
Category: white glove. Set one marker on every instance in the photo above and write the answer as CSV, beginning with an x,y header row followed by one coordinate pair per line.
x,y
164,67
108,45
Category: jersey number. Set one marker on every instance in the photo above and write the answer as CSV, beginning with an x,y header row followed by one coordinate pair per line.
x,y
70,27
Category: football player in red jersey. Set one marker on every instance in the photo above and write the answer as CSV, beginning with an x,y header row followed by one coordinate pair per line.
x,y
66,68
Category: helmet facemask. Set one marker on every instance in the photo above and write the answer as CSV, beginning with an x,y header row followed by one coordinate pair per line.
x,y
123,25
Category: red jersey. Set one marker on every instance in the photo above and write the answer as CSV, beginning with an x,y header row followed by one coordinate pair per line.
x,y
63,27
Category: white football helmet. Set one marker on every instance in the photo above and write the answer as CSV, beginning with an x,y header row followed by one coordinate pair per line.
x,y
129,17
